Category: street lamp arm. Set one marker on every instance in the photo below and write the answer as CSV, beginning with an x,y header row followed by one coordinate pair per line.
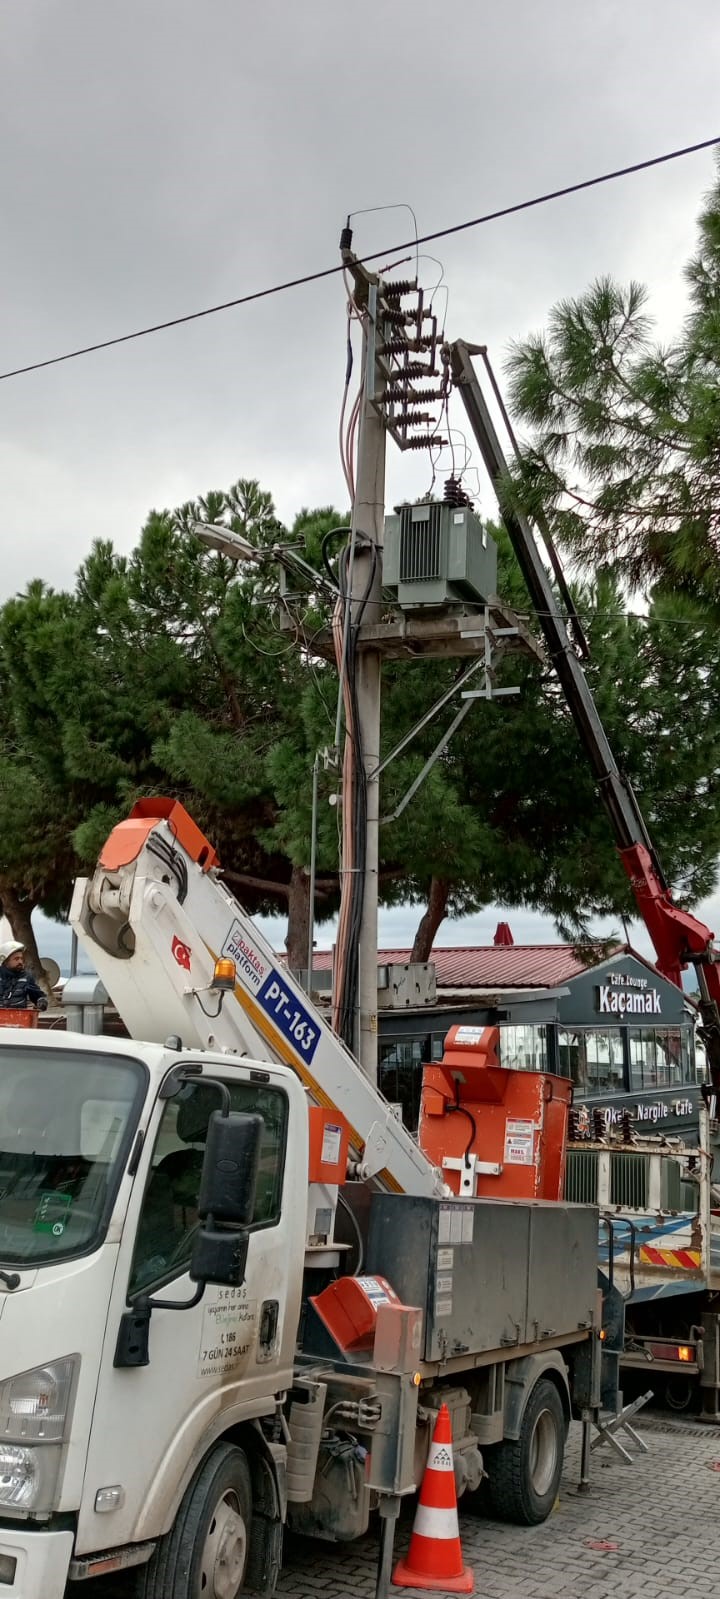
x,y
231,544
227,542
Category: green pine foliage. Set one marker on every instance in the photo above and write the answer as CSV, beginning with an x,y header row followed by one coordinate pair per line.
x,y
624,432
168,672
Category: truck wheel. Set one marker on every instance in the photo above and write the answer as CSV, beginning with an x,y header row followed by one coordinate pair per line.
x,y
683,1394
204,1556
524,1473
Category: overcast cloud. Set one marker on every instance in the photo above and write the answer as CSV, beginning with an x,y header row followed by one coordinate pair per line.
x,y
161,155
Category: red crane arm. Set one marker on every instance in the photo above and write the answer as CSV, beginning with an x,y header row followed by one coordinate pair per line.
x,y
678,937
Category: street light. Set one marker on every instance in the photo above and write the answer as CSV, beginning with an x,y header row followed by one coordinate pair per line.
x,y
226,542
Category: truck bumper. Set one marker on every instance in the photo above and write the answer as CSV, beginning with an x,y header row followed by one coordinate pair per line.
x,y
41,1563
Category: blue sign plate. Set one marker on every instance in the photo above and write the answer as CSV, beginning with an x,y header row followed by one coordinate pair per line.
x,y
290,1016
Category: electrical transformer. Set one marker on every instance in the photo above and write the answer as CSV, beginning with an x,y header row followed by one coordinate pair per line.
x,y
438,554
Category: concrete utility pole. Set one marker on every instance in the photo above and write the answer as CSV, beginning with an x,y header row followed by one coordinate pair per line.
x,y
406,381
368,522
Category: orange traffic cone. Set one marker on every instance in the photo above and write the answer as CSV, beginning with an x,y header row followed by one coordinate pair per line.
x,y
434,1559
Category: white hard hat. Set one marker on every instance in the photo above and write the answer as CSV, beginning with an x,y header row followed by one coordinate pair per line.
x,y
10,947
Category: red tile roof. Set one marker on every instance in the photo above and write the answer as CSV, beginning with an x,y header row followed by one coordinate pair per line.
x,y
493,966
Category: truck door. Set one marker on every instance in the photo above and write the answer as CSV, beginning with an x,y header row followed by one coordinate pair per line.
x,y
223,1359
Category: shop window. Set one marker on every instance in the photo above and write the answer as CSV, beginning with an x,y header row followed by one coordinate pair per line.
x,y
400,1075
592,1059
679,1044
660,1057
400,1069
523,1048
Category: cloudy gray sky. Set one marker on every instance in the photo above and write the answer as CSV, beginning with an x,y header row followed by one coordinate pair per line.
x,y
162,155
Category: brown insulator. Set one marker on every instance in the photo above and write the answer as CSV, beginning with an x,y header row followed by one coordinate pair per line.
x,y
393,291
403,393
400,346
428,441
416,369
454,493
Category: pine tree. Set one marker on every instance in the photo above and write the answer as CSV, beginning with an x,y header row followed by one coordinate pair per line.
x,y
624,452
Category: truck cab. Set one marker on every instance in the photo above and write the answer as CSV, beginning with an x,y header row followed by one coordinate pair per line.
x,y
107,1410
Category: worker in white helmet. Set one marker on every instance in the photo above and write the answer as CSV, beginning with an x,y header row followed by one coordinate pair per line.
x,y
18,988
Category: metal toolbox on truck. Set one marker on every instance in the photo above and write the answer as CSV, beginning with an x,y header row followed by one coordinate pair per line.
x,y
488,1274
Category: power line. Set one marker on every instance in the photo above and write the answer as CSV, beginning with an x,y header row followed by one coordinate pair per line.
x,y
586,612
329,272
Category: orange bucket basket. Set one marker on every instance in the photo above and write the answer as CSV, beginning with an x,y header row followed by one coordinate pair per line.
x,y
18,1018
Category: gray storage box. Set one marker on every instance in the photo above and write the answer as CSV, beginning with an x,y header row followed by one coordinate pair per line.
x,y
488,1274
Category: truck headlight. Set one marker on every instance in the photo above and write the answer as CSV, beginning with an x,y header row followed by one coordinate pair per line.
x,y
35,1410
19,1475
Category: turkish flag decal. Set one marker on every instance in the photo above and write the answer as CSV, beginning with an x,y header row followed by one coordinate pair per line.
x,y
182,953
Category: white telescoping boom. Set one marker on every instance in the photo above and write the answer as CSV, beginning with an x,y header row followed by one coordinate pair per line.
x,y
155,917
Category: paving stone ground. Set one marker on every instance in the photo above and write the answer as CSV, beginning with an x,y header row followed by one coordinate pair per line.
x,y
663,1513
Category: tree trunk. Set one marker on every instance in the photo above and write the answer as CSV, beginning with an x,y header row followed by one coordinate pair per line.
x,y
298,918
19,912
438,895
265,885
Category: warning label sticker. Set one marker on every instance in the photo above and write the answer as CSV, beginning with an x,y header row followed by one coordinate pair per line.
x,y
375,1290
518,1152
332,1138
520,1143
228,1333
456,1224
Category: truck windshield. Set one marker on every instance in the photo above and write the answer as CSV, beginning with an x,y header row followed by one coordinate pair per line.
x,y
66,1123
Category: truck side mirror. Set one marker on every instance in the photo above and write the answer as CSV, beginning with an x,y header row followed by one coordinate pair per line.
x,y
226,1202
230,1168
219,1256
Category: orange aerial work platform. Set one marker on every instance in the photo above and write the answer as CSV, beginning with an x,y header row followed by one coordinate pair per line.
x,y
496,1132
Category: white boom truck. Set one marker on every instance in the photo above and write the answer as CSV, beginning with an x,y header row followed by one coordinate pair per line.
x,y
197,1346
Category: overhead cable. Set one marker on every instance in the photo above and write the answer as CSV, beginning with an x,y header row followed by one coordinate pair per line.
x,y
329,272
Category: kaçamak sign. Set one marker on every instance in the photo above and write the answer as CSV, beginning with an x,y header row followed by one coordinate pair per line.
x,y
624,995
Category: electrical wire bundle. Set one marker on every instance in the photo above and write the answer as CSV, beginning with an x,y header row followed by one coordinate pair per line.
x,y
346,624
347,617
